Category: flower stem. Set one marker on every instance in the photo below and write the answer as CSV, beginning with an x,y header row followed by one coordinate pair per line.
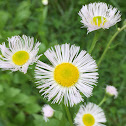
x,y
69,116
94,42
110,41
103,100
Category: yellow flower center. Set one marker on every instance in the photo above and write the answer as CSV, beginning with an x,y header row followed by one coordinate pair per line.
x,y
66,74
98,20
88,120
20,57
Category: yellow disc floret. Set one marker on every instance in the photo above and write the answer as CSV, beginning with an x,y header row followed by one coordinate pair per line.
x,y
88,120
66,74
20,57
99,20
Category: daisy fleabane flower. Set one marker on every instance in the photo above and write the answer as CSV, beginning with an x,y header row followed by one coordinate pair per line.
x,y
99,15
47,112
112,91
90,115
71,72
21,53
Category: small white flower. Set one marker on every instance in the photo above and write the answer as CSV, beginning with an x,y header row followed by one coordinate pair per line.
x,y
71,72
47,111
112,91
90,115
45,2
20,53
99,15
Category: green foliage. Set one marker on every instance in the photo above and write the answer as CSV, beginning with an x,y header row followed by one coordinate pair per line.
x,y
20,102
4,18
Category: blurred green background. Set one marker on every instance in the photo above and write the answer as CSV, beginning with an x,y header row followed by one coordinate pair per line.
x,y
57,23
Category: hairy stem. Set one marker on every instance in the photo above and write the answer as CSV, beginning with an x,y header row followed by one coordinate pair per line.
x,y
103,100
110,41
94,42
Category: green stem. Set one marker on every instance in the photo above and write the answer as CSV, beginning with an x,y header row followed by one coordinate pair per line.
x,y
45,11
107,47
94,42
69,116
103,100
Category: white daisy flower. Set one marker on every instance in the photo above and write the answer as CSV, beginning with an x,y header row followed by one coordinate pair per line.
x,y
71,72
90,115
112,91
99,15
47,112
20,53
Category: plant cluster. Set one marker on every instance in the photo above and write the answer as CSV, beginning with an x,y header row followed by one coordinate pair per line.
x,y
65,74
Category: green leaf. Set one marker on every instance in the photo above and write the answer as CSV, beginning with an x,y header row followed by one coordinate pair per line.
x,y
6,34
23,13
53,122
32,108
42,47
31,100
19,78
64,122
58,115
38,117
21,98
38,120
3,17
12,92
20,118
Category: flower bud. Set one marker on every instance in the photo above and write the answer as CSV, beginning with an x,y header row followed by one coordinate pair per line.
x,y
112,91
45,2
48,112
